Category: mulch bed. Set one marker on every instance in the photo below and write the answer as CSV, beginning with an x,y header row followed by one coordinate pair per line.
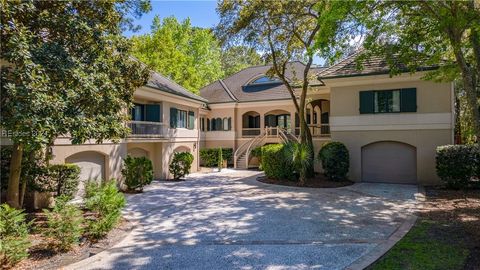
x,y
320,181
42,257
459,211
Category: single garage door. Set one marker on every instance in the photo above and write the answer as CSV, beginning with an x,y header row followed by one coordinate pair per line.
x,y
92,167
389,162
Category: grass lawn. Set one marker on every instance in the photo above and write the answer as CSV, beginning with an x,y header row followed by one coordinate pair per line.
x,y
446,235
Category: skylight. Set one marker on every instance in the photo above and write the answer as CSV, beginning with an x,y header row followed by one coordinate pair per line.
x,y
265,79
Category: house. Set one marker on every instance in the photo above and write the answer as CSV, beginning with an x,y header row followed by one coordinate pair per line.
x,y
390,125
164,120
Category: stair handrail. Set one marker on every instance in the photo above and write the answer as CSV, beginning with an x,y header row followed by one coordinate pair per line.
x,y
248,151
238,153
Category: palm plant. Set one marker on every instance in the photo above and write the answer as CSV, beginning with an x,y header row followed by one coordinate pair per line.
x,y
300,155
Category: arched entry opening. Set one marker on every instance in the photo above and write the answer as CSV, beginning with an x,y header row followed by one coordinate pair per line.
x,y
389,162
250,124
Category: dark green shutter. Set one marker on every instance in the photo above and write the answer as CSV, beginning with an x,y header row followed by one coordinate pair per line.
x,y
173,117
229,123
366,102
408,100
191,120
208,124
152,112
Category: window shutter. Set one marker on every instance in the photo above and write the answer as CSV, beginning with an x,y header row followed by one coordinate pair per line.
x,y
208,124
408,100
173,117
191,120
366,102
152,112
229,123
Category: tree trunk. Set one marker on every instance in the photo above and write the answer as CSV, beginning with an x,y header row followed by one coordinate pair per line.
x,y
13,192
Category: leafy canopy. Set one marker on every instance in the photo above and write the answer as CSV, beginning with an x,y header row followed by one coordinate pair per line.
x,y
188,55
238,57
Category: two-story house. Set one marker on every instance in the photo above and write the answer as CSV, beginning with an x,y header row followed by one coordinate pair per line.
x,y
390,125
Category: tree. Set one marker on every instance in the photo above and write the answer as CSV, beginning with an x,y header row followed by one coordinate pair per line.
x,y
443,34
286,31
236,58
189,55
68,73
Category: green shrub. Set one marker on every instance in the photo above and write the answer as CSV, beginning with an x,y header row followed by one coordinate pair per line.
x,y
181,164
220,159
138,172
14,242
64,224
62,179
209,156
276,164
335,160
107,203
458,165
300,156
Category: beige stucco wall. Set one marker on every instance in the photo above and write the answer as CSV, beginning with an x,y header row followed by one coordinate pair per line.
x,y
425,142
114,154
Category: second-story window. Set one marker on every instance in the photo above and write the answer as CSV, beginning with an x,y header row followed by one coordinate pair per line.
x,y
181,119
388,101
147,112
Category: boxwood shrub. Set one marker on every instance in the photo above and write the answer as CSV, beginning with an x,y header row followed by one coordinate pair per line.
x,y
335,160
458,165
180,164
275,164
209,156
137,172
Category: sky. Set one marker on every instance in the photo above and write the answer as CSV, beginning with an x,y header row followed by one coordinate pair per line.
x,y
201,13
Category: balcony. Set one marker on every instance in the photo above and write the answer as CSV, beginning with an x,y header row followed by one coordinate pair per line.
x,y
147,129
250,132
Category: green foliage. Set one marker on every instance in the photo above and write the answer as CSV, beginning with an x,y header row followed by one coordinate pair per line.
x,y
300,156
32,166
106,202
458,165
220,159
276,163
181,164
62,179
188,55
64,224
236,58
14,242
138,172
335,160
209,156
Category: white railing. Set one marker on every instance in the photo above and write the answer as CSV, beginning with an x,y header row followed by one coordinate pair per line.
x,y
147,129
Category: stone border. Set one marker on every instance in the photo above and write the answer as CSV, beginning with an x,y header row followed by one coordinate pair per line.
x,y
381,249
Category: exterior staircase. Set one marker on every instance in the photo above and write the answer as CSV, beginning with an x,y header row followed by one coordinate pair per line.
x,y
242,154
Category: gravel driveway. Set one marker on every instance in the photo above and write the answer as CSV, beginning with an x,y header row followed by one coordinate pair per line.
x,y
229,220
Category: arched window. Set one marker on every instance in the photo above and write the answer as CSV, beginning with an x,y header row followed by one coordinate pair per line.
x,y
213,125
265,79
225,124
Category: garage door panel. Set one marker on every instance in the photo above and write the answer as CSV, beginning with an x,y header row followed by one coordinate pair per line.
x,y
389,162
92,167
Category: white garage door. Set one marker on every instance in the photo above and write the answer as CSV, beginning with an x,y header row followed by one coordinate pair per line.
x,y
389,162
92,167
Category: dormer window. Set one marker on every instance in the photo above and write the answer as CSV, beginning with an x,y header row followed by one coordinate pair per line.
x,y
265,79
261,83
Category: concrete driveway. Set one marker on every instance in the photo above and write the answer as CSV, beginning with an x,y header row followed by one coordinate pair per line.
x,y
229,220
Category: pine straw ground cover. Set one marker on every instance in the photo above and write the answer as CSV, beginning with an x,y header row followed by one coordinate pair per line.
x,y
446,235
42,257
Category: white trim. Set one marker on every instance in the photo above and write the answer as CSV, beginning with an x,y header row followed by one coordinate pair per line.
x,y
394,121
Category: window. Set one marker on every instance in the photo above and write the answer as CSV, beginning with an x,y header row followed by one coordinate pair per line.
x,y
202,124
265,79
191,120
388,101
225,124
182,119
147,112
138,112
218,124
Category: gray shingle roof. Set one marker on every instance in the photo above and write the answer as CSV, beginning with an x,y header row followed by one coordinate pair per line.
x,y
230,89
162,83
348,67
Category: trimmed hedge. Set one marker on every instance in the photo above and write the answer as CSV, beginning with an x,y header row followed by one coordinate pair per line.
x,y
458,165
275,163
62,179
335,160
138,172
209,156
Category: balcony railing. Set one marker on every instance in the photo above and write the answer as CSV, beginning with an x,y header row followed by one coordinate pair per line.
x,y
250,132
147,129
320,130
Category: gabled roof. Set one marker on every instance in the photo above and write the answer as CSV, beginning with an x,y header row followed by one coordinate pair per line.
x,y
164,84
349,67
231,89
